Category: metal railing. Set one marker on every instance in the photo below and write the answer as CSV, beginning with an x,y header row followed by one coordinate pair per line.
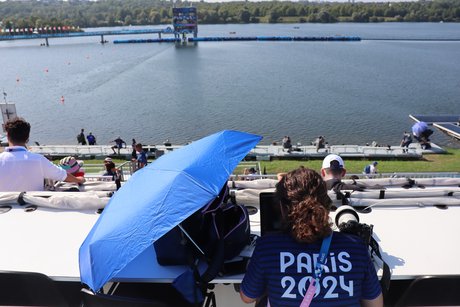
x,y
236,177
125,169
408,175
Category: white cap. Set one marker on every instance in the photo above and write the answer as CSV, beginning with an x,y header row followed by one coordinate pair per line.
x,y
327,162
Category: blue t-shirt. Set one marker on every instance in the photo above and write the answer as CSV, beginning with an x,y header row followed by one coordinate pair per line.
x,y
142,157
282,267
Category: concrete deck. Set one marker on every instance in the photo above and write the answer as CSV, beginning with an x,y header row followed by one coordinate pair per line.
x,y
261,152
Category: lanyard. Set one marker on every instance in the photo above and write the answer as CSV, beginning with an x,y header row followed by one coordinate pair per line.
x,y
319,268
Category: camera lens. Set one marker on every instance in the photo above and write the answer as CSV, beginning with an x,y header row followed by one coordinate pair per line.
x,y
345,214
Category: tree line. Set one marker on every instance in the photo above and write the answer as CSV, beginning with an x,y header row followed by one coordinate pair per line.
x,y
103,13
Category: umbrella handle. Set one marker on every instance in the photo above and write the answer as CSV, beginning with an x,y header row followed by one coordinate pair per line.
x,y
216,264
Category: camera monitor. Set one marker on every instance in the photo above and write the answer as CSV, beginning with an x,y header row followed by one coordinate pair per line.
x,y
270,213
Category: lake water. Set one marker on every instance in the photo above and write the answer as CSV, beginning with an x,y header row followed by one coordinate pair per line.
x,y
350,92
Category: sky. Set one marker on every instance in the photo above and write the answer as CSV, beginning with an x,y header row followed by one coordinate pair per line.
x,y
297,0
343,1
373,1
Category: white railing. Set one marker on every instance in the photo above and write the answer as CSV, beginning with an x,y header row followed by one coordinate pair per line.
x,y
411,175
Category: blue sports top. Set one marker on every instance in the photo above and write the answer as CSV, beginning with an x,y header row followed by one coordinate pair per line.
x,y
282,267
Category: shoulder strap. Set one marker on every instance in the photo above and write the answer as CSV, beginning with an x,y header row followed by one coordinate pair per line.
x,y
386,276
319,268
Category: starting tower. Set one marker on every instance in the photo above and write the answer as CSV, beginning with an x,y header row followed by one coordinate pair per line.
x,y
185,21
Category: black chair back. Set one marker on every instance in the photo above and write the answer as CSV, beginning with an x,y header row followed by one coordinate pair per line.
x,y
29,289
432,291
91,299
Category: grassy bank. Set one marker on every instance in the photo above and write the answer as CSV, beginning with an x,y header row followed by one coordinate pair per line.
x,y
449,162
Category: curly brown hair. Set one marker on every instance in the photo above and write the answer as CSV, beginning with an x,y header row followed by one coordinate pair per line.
x,y
18,130
305,204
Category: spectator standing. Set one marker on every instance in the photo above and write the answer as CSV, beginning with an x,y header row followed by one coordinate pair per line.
x,y
133,152
91,139
141,156
118,145
22,170
81,137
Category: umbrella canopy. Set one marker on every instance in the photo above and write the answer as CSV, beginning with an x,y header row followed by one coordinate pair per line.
x,y
156,199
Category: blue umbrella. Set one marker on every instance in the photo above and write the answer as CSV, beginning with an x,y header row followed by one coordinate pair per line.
x,y
156,199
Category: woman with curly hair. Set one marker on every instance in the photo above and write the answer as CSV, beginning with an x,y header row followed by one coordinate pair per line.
x,y
308,263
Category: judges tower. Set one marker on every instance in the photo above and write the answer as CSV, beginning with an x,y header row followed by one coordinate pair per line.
x,y
185,21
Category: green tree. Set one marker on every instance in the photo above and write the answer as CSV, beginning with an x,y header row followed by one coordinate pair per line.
x,y
128,20
301,11
325,17
31,13
360,17
245,16
274,16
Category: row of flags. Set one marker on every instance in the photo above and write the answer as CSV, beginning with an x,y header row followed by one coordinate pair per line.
x,y
39,30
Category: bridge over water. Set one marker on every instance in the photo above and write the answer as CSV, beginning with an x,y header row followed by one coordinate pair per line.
x,y
46,36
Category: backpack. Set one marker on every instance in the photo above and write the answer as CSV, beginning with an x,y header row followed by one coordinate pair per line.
x,y
215,233
367,169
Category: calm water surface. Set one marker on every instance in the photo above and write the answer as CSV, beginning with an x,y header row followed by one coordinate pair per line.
x,y
351,92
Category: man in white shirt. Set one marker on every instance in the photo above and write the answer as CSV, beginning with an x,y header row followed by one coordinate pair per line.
x,y
21,170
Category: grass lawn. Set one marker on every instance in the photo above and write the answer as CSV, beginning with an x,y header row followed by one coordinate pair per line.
x,y
449,162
